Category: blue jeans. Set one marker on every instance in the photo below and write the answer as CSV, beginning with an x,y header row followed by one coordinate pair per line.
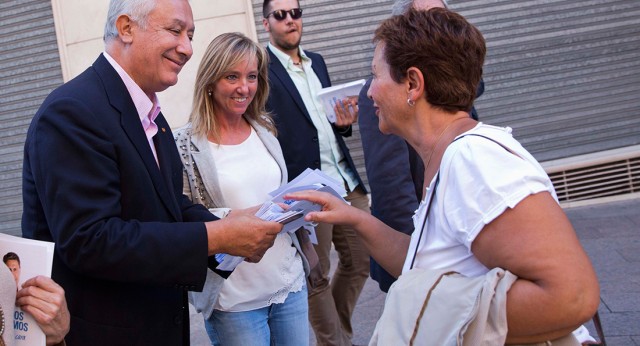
x,y
278,324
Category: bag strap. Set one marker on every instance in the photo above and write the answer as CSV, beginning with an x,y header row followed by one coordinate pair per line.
x,y
424,222
598,325
424,306
491,139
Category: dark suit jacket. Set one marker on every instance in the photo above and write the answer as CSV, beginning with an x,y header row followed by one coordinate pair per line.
x,y
125,251
297,135
395,173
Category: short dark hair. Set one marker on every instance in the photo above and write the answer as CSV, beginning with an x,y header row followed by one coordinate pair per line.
x,y
265,7
448,50
10,256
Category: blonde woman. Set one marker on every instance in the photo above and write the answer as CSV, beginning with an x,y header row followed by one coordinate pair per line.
x,y
232,161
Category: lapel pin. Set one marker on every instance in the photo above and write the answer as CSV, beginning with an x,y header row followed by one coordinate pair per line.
x,y
163,129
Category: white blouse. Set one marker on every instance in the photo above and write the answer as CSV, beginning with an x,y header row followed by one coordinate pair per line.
x,y
479,180
247,173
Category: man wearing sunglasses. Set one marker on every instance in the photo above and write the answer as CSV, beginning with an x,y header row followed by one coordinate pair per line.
x,y
309,140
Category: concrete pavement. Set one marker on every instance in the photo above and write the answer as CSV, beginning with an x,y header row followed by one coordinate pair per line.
x,y
610,233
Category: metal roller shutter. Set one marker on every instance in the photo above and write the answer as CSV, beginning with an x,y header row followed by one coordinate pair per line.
x,y
29,70
564,74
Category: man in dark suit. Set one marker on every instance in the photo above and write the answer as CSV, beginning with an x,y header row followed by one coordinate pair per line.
x,y
309,140
103,180
394,169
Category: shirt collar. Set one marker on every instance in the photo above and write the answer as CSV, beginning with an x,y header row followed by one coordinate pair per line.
x,y
285,59
147,109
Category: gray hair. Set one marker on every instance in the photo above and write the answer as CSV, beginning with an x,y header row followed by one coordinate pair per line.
x,y
137,10
401,7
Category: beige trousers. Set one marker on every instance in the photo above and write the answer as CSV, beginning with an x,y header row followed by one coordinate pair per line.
x,y
332,300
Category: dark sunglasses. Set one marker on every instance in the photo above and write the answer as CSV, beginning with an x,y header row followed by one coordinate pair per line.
x,y
281,15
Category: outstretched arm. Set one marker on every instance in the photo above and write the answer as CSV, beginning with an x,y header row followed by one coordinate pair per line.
x,y
387,246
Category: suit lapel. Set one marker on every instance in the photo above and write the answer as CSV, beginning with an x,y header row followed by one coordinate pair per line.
x,y
130,121
280,73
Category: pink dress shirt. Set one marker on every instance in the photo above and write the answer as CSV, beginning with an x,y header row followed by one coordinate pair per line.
x,y
148,110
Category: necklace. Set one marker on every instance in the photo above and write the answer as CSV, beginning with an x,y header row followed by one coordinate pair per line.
x,y
433,148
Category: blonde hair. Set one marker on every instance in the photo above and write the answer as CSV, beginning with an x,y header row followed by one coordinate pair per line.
x,y
224,52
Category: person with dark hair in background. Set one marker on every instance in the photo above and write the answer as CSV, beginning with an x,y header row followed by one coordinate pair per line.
x,y
12,261
102,178
394,169
487,203
232,160
309,140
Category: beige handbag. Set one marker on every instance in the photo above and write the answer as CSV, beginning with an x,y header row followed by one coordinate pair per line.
x,y
431,307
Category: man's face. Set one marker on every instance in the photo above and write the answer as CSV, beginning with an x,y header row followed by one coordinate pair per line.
x,y
158,52
287,33
14,267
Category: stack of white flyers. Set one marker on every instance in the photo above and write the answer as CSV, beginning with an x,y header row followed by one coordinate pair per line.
x,y
307,178
291,213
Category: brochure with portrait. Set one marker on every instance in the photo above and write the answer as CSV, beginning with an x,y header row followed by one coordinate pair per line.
x,y
26,258
330,96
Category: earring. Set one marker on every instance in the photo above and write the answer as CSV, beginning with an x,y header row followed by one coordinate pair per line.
x,y
411,102
209,92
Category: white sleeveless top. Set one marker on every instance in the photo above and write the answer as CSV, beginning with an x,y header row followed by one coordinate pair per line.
x,y
247,173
